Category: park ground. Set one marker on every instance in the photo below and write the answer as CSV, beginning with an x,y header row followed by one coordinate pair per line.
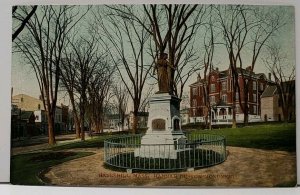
x,y
259,155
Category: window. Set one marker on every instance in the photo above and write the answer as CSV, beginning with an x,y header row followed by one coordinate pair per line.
x,y
194,91
194,102
212,88
37,117
254,97
254,85
224,98
237,108
39,106
212,99
237,97
224,86
254,109
22,99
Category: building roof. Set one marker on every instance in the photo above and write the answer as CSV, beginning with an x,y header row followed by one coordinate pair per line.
x,y
27,103
269,91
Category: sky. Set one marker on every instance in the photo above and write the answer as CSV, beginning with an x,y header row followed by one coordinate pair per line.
x,y
24,80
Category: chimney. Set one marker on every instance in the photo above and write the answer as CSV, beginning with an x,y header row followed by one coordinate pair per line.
x,y
217,69
270,76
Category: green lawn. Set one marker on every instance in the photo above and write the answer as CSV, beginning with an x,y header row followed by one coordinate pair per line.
x,y
26,167
266,136
94,142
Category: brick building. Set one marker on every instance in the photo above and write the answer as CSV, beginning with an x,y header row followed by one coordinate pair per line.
x,y
221,96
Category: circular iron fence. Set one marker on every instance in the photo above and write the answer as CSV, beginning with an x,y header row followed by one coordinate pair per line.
x,y
199,150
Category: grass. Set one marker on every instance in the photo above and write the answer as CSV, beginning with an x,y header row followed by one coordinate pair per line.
x,y
26,167
266,136
262,136
94,142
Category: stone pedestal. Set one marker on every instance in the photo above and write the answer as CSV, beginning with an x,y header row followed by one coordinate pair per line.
x,y
164,135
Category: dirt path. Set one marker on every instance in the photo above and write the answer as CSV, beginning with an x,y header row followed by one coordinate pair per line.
x,y
243,167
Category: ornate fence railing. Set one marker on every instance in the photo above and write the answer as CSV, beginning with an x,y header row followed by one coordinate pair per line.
x,y
199,150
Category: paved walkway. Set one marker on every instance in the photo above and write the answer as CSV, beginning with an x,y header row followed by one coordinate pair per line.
x,y
244,167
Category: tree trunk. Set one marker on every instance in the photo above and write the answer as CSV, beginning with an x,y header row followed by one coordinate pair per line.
x,y
246,116
77,126
82,123
234,84
82,130
135,123
51,134
285,113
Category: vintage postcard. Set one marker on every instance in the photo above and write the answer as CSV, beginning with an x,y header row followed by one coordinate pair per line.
x,y
190,95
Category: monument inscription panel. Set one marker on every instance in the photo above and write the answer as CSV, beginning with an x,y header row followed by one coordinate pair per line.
x,y
159,124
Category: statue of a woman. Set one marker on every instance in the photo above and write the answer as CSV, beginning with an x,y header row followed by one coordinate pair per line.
x,y
162,73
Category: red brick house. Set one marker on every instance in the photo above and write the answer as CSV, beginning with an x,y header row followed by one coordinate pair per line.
x,y
221,96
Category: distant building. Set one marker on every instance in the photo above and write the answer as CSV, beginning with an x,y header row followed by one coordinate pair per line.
x,y
142,119
185,116
27,103
271,109
112,121
221,96
23,124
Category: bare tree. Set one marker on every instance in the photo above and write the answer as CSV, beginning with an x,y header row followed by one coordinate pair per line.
x,y
172,27
42,47
98,90
262,24
121,95
284,75
23,20
145,99
235,26
84,57
209,48
68,81
126,40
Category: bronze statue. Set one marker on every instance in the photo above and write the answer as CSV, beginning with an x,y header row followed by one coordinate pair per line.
x,y
162,73
165,74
